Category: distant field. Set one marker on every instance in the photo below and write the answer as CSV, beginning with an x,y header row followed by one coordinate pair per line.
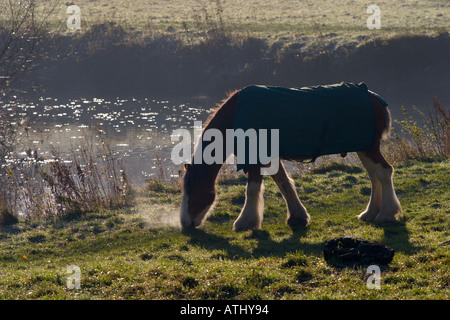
x,y
179,46
272,20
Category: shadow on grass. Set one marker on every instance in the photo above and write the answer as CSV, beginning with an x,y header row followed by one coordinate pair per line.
x,y
266,246
199,237
396,236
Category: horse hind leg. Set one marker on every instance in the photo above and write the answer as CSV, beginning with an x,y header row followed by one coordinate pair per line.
x,y
251,215
383,205
374,206
296,211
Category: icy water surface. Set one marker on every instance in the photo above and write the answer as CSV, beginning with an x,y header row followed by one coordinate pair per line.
x,y
138,130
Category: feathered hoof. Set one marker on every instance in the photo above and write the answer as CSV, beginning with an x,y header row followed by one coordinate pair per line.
x,y
241,225
385,218
296,221
367,216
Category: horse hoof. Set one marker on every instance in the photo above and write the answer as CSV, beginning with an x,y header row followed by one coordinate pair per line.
x,y
367,216
385,218
238,227
298,221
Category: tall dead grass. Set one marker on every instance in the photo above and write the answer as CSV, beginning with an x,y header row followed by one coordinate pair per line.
x,y
90,178
425,139
210,23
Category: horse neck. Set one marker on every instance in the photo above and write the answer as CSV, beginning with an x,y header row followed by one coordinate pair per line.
x,y
222,120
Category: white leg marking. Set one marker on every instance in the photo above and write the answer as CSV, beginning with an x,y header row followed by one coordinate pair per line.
x,y
374,205
296,213
296,210
383,205
251,215
390,206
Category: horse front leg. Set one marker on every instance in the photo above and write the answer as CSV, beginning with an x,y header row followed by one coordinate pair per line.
x,y
251,215
296,211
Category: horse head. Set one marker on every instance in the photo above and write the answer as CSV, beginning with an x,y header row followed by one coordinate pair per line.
x,y
199,193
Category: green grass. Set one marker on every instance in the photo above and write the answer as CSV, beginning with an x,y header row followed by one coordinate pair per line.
x,y
140,253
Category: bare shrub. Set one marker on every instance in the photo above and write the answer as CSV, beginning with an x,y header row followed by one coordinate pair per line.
x,y
91,178
24,37
431,139
209,22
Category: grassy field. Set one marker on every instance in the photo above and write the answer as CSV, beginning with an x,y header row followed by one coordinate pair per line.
x,y
140,252
269,20
257,14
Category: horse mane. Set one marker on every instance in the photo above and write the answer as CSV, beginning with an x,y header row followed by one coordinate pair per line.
x,y
220,105
221,116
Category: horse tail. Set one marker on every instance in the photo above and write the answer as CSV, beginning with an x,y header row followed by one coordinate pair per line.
x,y
386,132
383,120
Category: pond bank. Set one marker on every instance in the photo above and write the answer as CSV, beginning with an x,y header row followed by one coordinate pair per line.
x,y
407,70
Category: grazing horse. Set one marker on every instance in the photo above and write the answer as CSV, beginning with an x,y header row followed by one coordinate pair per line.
x,y
312,121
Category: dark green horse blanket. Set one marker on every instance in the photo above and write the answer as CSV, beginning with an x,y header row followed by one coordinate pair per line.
x,y
312,121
